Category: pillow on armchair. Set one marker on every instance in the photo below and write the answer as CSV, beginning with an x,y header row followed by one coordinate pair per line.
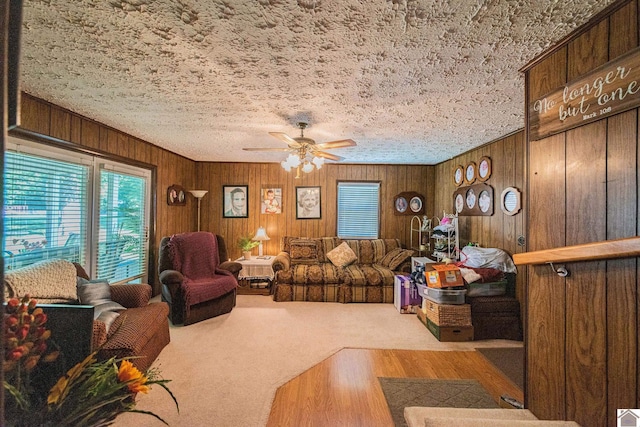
x,y
97,293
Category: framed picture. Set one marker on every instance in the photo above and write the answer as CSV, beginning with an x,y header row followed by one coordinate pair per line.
x,y
401,204
271,201
471,198
176,196
408,203
235,201
475,200
458,175
470,173
308,203
415,204
484,169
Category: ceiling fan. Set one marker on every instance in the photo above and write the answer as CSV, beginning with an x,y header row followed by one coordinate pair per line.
x,y
304,152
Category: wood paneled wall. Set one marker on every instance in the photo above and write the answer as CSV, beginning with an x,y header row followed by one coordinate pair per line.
x,y
50,120
582,331
508,170
394,179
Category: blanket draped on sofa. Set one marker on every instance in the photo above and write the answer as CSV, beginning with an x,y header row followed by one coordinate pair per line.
x,y
54,279
196,256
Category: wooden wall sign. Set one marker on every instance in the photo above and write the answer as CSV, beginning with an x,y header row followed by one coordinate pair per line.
x,y
609,89
474,200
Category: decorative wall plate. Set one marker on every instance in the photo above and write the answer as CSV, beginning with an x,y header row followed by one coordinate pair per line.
x,y
484,201
459,203
470,173
458,175
484,169
474,200
471,198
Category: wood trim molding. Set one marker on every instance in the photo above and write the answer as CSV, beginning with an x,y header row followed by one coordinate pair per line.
x,y
608,249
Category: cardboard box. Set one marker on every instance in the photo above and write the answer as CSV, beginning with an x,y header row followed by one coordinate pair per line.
x,y
406,298
443,276
450,333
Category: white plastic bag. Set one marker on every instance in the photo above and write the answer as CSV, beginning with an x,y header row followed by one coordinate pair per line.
x,y
476,257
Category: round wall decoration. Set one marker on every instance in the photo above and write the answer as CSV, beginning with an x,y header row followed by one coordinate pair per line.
x,y
401,204
510,201
484,169
470,173
471,198
458,175
459,203
415,204
484,201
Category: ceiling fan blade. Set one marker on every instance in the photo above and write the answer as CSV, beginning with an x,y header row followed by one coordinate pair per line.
x,y
337,144
327,155
285,138
266,149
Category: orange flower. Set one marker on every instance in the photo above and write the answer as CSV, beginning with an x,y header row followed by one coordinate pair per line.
x,y
130,374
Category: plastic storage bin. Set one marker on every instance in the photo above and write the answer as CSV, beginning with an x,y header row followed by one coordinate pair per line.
x,y
442,296
489,289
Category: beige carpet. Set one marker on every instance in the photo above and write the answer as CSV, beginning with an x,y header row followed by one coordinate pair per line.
x,y
225,371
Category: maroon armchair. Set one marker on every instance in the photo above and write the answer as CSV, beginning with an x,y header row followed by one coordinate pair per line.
x,y
195,283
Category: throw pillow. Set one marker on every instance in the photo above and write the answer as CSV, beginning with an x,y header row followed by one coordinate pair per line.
x,y
98,294
93,292
396,257
389,256
342,255
304,251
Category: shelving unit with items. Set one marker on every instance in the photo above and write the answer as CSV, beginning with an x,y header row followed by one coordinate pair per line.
x,y
446,240
420,239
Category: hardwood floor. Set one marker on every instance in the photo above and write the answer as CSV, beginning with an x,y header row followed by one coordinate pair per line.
x,y
343,390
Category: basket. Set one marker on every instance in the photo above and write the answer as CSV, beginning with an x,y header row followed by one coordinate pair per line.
x,y
447,314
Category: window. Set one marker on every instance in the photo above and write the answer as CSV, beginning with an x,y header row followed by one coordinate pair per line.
x,y
358,210
56,202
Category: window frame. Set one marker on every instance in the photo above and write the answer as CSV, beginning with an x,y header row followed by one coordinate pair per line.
x,y
43,145
378,185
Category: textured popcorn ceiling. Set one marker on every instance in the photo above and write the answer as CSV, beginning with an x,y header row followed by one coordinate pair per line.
x,y
411,81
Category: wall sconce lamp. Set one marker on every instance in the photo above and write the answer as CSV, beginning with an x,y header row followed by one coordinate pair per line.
x,y
198,194
261,235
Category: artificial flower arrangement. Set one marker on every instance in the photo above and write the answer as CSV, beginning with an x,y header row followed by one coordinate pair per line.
x,y
92,393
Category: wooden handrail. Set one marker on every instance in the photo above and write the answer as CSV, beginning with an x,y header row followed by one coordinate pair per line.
x,y
608,249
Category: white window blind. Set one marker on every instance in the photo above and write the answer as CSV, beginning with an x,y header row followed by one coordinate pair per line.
x,y
121,249
44,209
57,201
358,210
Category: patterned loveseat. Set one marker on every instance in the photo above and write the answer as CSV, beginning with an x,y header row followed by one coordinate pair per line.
x,y
305,272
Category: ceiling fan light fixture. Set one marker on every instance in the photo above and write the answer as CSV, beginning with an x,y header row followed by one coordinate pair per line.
x,y
307,167
286,166
293,160
318,161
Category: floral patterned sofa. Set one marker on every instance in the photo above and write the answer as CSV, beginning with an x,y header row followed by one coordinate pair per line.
x,y
329,269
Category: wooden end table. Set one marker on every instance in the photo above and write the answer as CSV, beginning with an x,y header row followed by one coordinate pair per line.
x,y
256,276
